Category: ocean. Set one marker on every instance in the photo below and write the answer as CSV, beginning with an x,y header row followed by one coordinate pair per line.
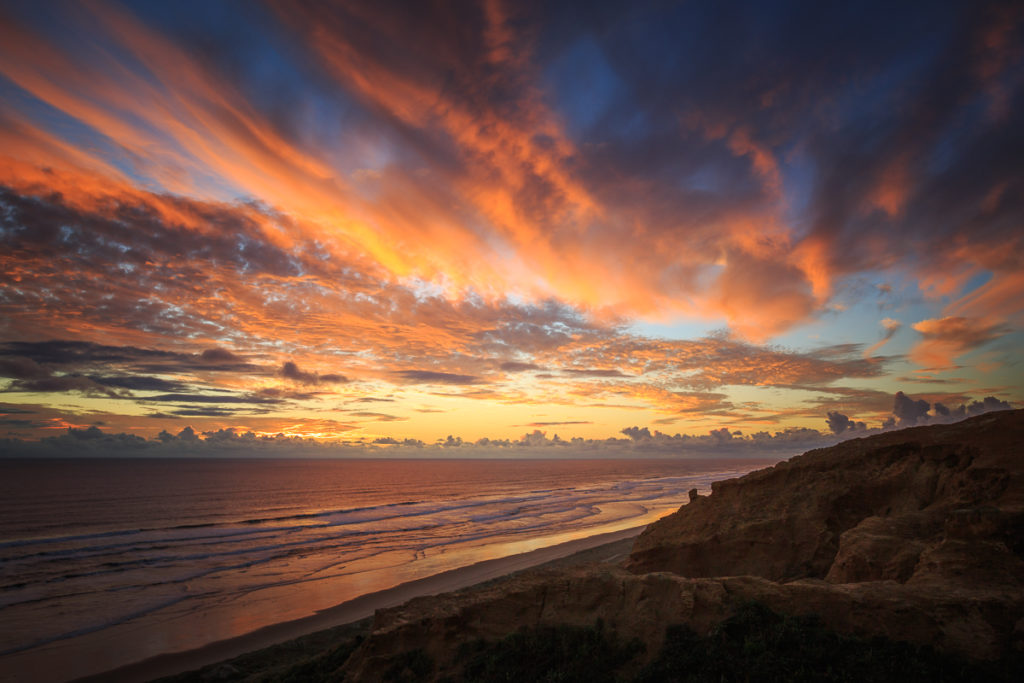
x,y
106,562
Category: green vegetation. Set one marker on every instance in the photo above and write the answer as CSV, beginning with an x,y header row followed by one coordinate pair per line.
x,y
319,668
410,667
561,654
314,657
755,645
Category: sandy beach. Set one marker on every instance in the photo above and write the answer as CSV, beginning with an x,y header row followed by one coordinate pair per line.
x,y
292,640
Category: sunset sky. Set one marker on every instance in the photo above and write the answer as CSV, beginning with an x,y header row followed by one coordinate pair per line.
x,y
374,222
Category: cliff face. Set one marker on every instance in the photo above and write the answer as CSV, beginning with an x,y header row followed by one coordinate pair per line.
x,y
916,535
933,503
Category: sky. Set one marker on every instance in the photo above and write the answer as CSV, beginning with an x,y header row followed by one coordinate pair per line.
x,y
382,227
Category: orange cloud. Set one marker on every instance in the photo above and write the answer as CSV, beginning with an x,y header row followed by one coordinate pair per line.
x,y
764,296
292,327
456,230
512,214
948,338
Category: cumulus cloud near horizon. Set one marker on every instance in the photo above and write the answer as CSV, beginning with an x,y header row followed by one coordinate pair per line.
x,y
92,441
909,412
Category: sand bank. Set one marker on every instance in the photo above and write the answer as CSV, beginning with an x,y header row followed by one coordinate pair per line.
x,y
608,547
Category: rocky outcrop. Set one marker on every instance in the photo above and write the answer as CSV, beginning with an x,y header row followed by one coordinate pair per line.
x,y
940,502
914,536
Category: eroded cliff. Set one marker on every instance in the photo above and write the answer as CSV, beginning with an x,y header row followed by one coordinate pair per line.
x,y
941,502
916,536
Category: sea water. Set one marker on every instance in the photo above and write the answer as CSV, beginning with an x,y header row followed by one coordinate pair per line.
x,y
106,562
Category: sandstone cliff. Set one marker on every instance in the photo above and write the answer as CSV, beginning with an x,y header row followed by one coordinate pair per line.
x,y
916,535
932,503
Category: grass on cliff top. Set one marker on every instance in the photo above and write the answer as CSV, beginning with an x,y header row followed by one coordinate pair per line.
x,y
549,654
754,645
314,657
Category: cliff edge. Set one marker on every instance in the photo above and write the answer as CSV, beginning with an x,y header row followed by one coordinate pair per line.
x,y
922,505
915,536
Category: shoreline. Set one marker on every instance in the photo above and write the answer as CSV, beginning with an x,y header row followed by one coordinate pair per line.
x,y
606,547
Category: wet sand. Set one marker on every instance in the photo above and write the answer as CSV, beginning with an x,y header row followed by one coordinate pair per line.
x,y
334,622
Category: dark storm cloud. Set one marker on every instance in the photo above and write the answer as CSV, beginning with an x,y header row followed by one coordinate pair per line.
x,y
989,403
56,366
79,354
218,355
593,372
62,352
291,371
194,363
22,368
63,383
909,411
517,366
217,360
431,377
282,393
12,415
140,383
203,412
212,398
839,423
